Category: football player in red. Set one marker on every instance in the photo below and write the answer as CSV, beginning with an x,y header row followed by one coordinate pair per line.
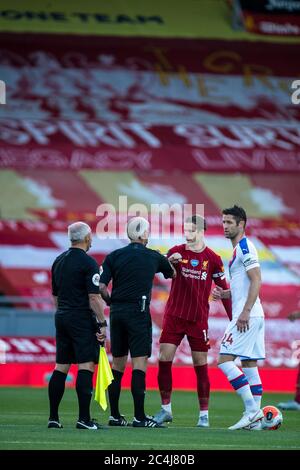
x,y
186,314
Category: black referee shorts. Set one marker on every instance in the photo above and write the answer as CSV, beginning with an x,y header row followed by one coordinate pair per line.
x,y
76,340
130,330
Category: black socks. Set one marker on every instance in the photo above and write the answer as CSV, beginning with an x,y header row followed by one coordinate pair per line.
x,y
56,390
114,391
138,388
84,389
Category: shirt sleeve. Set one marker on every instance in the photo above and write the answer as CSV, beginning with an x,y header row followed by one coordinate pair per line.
x,y
248,255
218,270
106,271
220,280
172,250
54,286
164,267
92,277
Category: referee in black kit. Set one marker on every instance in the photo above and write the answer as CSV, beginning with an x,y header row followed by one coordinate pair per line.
x,y
132,270
79,315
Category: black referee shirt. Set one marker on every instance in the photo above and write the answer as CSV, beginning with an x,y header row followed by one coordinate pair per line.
x,y
74,275
132,270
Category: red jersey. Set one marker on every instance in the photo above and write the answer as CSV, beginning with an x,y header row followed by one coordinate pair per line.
x,y
190,290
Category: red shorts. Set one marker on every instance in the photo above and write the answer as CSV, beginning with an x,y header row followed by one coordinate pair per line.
x,y
175,328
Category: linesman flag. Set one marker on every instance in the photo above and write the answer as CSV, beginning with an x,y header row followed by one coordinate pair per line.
x,y
104,378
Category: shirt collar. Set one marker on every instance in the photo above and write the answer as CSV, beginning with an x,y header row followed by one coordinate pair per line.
x,y
135,245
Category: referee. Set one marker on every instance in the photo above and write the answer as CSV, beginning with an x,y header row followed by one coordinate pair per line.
x,y
79,315
132,270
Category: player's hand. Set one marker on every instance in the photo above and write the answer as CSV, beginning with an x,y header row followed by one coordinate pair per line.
x,y
243,322
175,258
217,293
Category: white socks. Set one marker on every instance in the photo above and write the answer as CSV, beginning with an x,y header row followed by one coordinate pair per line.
x,y
167,408
240,383
254,380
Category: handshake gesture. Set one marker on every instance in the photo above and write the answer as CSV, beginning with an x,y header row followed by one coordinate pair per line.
x,y
175,258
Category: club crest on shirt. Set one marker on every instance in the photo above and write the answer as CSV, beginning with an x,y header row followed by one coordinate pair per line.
x,y
205,265
194,262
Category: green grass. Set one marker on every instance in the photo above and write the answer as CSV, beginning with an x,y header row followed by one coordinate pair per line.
x,y
24,415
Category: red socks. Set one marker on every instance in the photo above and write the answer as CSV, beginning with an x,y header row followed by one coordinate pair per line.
x,y
165,381
203,386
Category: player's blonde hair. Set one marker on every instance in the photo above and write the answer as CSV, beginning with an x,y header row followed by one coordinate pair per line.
x,y
197,220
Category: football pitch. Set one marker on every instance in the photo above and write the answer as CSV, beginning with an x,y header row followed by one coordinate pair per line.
x,y
24,415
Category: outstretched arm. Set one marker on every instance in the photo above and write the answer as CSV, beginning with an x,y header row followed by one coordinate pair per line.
x,y
225,295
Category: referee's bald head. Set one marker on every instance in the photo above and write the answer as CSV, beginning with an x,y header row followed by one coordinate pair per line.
x,y
138,229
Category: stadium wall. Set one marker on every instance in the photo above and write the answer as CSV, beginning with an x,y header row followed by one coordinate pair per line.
x,y
38,375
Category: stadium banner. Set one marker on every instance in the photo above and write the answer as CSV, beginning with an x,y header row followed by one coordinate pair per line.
x,y
75,145
131,18
271,17
38,375
134,18
195,106
282,345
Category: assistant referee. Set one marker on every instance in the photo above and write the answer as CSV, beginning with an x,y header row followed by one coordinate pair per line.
x,y
132,270
79,315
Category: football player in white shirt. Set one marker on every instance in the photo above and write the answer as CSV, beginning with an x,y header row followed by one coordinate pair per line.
x,y
244,336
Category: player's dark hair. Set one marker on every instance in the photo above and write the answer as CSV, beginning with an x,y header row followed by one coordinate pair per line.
x,y
237,212
197,220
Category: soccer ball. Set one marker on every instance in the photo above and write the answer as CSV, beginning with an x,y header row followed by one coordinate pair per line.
x,y
272,418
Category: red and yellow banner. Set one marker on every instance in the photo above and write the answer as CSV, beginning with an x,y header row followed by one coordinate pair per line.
x,y
159,104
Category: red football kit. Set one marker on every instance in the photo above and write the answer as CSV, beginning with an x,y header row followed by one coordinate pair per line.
x,y
187,308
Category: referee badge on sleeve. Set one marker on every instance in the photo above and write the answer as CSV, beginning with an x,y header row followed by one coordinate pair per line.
x,y
96,279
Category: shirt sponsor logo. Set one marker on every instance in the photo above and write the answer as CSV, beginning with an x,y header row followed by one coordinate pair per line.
x,y
96,279
191,273
194,262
